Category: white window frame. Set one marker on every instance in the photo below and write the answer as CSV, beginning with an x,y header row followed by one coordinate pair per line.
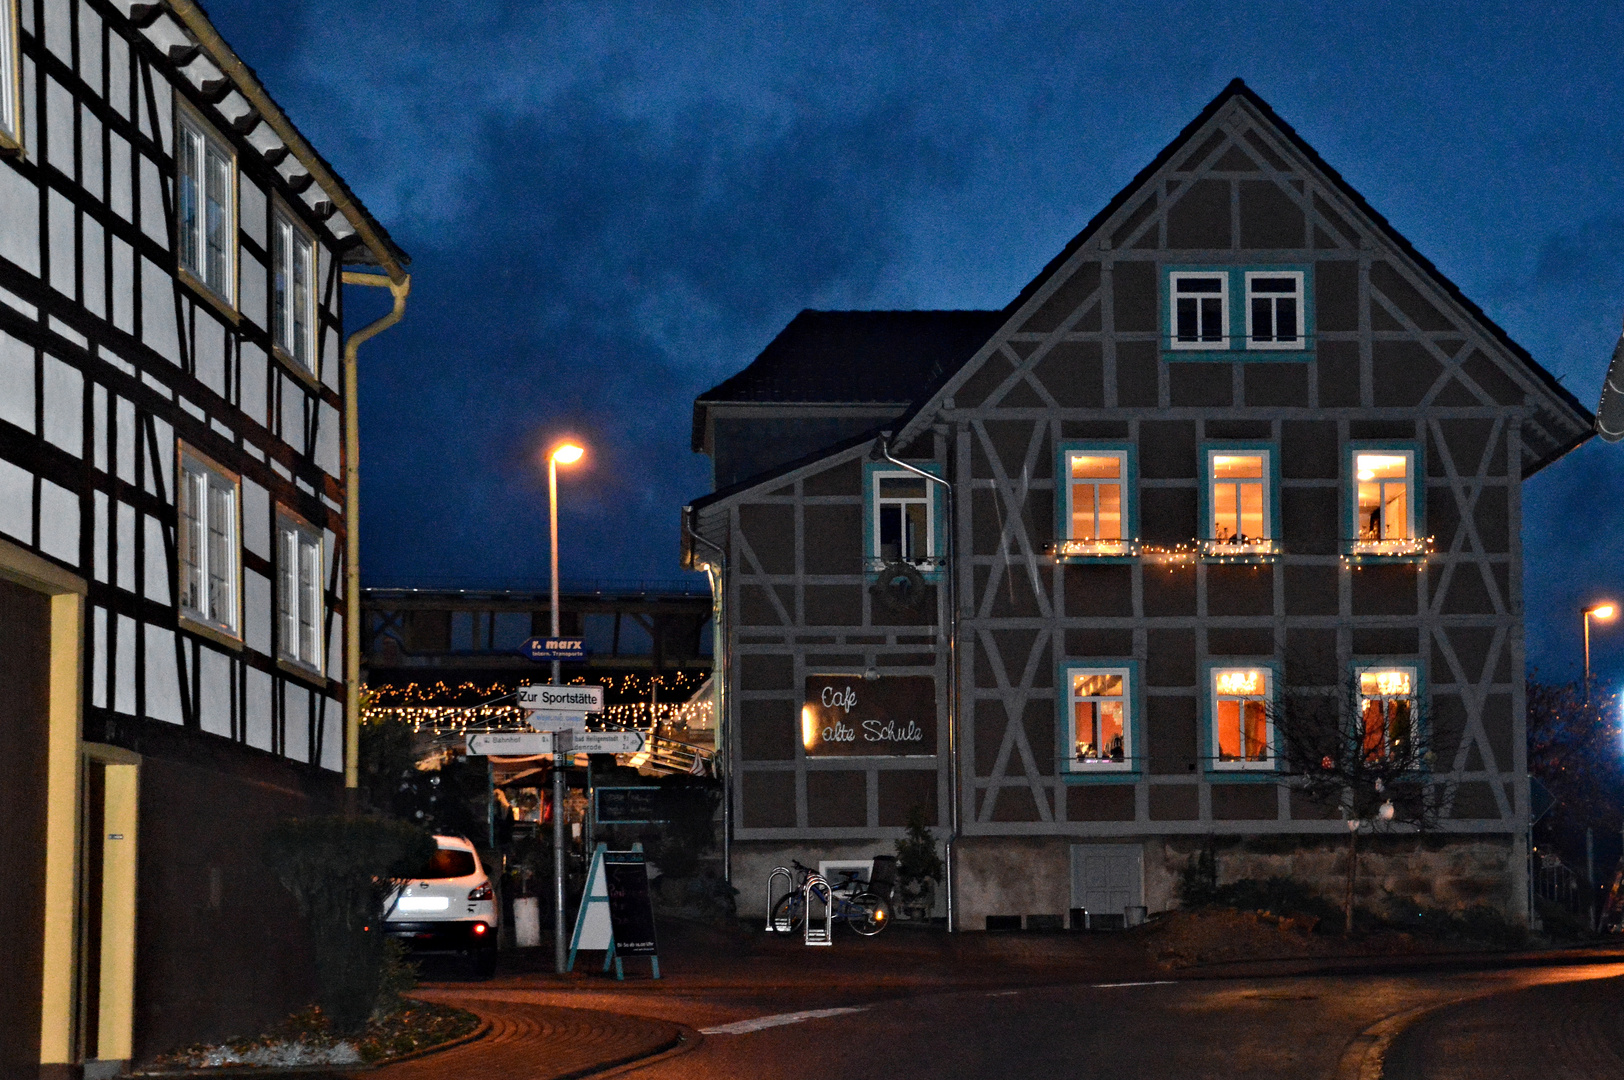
x,y
1072,544
11,75
1173,279
1301,341
208,544
1267,763
293,249
1264,544
1072,700
929,500
1381,545
300,587
194,141
1413,696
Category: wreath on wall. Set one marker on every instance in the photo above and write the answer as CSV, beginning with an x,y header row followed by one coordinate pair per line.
x,y
900,585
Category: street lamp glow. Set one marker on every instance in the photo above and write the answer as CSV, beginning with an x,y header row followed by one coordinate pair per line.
x,y
567,454
1603,611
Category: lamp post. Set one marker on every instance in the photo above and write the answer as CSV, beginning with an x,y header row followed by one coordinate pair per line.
x,y
565,454
1601,613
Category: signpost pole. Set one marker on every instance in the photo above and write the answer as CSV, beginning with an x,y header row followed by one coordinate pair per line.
x,y
560,959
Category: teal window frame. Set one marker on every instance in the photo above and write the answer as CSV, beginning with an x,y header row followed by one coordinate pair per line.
x,y
1238,771
1132,765
1239,345
1361,552
936,545
1130,499
1420,693
1207,541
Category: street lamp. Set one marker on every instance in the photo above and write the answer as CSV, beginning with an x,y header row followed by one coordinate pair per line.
x,y
566,453
1601,613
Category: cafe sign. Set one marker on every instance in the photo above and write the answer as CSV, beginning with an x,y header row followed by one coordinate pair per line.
x,y
850,716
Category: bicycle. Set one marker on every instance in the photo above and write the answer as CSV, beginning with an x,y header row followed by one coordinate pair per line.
x,y
864,911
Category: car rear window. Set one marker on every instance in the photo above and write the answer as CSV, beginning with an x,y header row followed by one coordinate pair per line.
x,y
449,863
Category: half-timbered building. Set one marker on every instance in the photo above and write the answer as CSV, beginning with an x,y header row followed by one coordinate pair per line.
x,y
172,506
1238,439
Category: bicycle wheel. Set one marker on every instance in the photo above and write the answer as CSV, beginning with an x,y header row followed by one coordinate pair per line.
x,y
789,913
869,914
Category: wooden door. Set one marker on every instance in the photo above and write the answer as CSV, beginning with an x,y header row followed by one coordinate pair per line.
x,y
1106,879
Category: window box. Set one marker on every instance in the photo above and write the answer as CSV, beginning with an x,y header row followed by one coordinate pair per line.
x,y
1100,734
299,589
1240,717
1250,312
208,550
1383,504
902,519
1240,501
1097,511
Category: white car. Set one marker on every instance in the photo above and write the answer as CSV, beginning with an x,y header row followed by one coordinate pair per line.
x,y
450,906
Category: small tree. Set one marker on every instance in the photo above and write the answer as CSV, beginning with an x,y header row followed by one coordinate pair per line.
x,y
919,865
1367,754
340,870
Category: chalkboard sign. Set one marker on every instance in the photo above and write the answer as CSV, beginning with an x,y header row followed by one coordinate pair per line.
x,y
631,912
629,805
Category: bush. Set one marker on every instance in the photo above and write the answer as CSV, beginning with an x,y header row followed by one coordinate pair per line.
x,y
340,870
1480,924
919,865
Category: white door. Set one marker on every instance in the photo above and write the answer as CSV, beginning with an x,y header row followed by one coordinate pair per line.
x,y
1107,878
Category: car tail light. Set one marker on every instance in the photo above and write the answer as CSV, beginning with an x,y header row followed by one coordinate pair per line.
x,y
480,892
480,929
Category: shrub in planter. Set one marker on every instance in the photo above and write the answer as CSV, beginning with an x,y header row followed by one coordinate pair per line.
x,y
919,865
340,869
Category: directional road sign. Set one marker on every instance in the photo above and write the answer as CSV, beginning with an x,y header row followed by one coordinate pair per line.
x,y
559,648
609,742
561,699
556,721
519,743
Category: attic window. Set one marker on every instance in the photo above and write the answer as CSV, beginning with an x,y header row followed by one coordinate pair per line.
x,y
1200,311
1274,309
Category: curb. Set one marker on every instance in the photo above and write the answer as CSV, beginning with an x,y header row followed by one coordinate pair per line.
x,y
211,1071
687,1039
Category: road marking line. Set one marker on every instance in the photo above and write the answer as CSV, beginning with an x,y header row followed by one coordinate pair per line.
x,y
1004,993
1113,986
744,1027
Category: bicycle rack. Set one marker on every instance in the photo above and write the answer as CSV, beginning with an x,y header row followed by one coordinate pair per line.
x,y
814,934
789,880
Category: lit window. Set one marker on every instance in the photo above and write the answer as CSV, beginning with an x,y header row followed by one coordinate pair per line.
x,y
299,593
206,207
11,125
1100,731
903,527
1274,310
1240,713
1096,503
1384,497
1239,493
1387,708
1199,311
293,286
209,555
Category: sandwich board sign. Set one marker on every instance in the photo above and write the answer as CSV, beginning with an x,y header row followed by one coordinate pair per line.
x,y
617,913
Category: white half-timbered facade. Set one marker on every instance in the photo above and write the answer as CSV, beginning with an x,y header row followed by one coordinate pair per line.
x,y
172,484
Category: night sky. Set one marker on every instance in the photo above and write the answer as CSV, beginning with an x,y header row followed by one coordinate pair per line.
x,y
612,206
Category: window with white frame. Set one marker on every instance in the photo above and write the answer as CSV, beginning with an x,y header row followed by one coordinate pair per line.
x,y
206,207
1199,310
1387,711
1241,699
210,558
1384,483
293,291
1099,706
1238,496
1096,502
298,592
904,529
11,124
1274,309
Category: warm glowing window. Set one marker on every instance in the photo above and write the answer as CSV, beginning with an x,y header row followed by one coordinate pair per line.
x,y
209,553
1274,309
1097,495
206,207
1240,713
299,593
1240,496
1387,709
11,127
903,528
1099,718
1385,485
1199,310
293,292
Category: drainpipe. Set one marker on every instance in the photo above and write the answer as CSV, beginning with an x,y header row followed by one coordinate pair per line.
x,y
399,289
717,573
882,451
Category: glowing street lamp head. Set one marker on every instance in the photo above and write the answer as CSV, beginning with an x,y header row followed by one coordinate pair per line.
x,y
567,453
1603,611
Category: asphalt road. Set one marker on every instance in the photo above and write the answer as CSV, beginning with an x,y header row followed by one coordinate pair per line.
x,y
1532,1022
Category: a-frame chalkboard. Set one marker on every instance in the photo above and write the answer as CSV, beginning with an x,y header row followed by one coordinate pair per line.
x,y
617,913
